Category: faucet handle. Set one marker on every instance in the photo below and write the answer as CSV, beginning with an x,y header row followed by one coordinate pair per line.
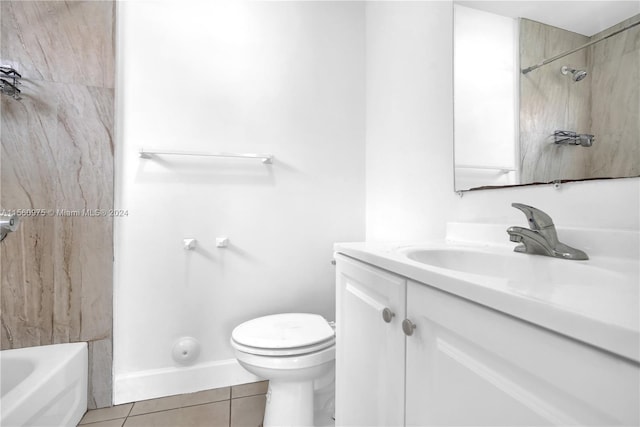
x,y
9,222
537,219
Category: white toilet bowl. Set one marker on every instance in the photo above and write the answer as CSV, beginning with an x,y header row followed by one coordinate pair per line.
x,y
292,351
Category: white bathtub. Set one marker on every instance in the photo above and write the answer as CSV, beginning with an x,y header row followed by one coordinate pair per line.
x,y
43,386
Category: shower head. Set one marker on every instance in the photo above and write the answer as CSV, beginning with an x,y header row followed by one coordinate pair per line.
x,y
576,75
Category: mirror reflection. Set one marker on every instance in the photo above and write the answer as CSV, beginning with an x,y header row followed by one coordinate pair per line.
x,y
537,103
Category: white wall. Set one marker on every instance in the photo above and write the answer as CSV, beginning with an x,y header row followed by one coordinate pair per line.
x,y
409,141
485,74
409,120
284,78
485,101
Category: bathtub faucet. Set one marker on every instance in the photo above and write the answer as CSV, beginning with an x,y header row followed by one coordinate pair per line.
x,y
8,223
541,238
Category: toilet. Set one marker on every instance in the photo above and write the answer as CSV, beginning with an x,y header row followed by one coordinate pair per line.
x,y
296,353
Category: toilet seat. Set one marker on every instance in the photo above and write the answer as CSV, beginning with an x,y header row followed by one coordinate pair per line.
x,y
294,351
283,335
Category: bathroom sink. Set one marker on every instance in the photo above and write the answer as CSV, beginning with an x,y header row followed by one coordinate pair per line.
x,y
599,287
596,300
514,267
466,261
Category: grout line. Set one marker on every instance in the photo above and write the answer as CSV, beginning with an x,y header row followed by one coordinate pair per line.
x,y
249,395
103,421
191,405
109,418
230,403
187,405
130,409
179,407
128,413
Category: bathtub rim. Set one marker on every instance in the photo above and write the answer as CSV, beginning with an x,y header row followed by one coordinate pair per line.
x,y
50,360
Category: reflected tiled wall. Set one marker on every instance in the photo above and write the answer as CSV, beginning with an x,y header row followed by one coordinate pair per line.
x,y
57,155
605,104
615,91
550,101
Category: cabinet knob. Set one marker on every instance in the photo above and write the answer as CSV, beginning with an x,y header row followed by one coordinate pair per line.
x,y
408,327
387,314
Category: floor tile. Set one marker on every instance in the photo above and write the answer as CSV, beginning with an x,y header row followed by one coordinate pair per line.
x,y
215,414
250,389
104,414
248,411
111,423
180,401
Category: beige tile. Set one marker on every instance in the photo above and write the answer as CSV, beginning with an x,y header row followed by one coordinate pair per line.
x,y
250,389
112,413
179,401
209,415
57,153
100,361
49,40
248,411
111,423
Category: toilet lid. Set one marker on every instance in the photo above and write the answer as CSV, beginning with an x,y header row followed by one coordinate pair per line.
x,y
283,331
297,351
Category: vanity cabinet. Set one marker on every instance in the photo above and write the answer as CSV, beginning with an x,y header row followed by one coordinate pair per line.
x,y
370,388
463,363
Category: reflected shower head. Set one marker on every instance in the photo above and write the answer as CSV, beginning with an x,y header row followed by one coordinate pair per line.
x,y
576,75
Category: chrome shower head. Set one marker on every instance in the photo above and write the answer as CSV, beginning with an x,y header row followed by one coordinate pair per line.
x,y
576,75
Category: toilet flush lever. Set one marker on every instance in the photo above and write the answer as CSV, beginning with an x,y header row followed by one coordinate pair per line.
x,y
387,314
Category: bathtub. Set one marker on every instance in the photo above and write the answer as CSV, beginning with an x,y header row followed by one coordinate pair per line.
x,y
43,386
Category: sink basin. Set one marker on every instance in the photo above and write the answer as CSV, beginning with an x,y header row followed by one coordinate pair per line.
x,y
514,267
466,261
598,287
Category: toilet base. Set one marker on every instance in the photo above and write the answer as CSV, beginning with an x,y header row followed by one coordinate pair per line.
x,y
289,404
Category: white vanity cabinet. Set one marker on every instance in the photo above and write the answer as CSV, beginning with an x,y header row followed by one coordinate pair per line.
x,y
464,363
370,384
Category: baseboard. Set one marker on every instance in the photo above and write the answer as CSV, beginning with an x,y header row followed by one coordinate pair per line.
x,y
143,385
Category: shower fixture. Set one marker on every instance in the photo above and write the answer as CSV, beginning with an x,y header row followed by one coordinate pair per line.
x,y
9,81
566,137
576,75
569,52
8,223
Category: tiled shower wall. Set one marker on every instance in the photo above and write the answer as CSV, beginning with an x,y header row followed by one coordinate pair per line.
x,y
550,101
57,156
605,104
615,102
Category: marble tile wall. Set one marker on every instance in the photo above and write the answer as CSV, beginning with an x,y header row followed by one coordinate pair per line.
x,y
605,104
614,64
57,154
551,101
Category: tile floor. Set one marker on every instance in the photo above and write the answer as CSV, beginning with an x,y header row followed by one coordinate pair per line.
x,y
237,406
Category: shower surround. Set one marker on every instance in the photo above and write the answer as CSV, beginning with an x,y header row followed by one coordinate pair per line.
x,y
57,155
606,103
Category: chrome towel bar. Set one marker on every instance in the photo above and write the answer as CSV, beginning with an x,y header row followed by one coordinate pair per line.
x,y
265,157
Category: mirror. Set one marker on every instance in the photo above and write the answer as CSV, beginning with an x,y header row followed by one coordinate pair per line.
x,y
573,114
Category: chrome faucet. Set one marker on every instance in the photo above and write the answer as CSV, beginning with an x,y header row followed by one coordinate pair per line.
x,y
8,223
541,238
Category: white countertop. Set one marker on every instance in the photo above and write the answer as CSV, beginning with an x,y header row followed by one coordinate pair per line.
x,y
603,313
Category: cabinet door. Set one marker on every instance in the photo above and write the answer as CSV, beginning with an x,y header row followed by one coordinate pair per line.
x,y
369,350
470,365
